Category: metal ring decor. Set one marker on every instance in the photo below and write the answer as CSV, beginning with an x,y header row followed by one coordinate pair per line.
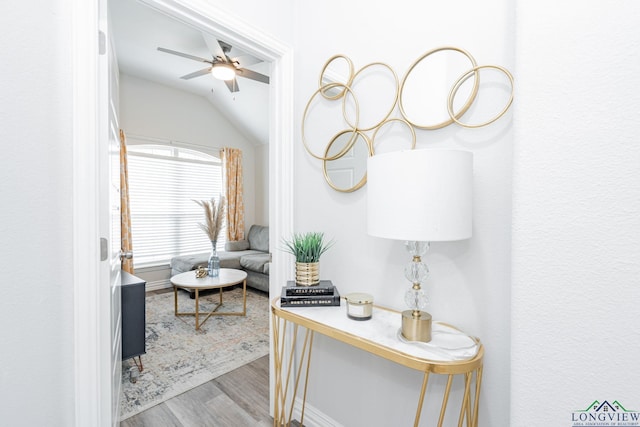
x,y
413,133
466,77
472,96
347,147
393,104
325,90
363,180
321,84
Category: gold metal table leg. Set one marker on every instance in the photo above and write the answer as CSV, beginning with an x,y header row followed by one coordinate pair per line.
x,y
476,404
306,380
293,371
445,400
197,309
196,312
425,381
138,364
465,409
244,297
175,300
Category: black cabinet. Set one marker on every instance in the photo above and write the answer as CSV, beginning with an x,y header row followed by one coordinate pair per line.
x,y
133,315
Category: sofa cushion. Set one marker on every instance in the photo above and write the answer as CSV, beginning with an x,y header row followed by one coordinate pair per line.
x,y
183,263
189,262
239,245
259,238
256,262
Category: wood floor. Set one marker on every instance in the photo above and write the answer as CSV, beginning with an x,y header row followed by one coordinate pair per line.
x,y
237,399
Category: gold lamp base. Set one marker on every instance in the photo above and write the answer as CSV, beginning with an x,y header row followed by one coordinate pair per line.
x,y
416,325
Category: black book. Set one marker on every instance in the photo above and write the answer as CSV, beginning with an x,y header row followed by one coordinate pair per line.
x,y
309,300
325,287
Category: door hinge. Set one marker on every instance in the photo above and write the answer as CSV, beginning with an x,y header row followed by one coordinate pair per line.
x,y
104,249
102,43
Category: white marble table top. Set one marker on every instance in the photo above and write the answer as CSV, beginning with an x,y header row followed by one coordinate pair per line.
x,y
447,344
227,277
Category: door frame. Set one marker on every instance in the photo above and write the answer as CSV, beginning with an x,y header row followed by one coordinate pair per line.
x,y
90,360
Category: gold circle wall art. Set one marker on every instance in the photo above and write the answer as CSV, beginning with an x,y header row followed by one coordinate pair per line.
x,y
334,72
393,121
345,154
349,172
343,88
388,100
464,78
447,57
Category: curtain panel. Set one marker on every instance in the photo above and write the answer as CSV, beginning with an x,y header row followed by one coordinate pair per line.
x,y
125,214
232,169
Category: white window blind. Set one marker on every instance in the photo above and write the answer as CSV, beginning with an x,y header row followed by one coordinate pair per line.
x,y
164,181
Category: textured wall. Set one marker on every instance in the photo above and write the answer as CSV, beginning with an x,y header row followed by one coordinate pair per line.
x,y
36,308
470,280
576,250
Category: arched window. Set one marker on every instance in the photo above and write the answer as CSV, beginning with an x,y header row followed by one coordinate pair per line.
x,y
164,181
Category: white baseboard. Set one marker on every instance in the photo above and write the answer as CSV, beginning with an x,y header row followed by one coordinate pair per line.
x,y
312,416
157,285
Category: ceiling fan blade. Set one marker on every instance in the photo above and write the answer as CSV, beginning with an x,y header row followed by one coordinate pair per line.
x,y
248,74
197,73
232,85
214,47
184,55
245,60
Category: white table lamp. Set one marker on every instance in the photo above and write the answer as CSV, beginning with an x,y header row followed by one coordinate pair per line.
x,y
419,196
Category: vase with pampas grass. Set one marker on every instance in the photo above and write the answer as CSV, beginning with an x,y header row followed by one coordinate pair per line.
x,y
214,220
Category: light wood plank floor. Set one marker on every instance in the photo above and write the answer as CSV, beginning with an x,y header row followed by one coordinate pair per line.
x,y
236,399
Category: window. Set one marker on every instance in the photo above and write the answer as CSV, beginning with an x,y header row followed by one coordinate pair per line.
x,y
164,181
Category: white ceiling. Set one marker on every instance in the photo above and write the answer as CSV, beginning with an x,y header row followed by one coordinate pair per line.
x,y
138,31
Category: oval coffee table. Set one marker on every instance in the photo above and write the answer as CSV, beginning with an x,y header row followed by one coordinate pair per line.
x,y
228,277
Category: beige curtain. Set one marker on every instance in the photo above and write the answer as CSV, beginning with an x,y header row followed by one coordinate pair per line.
x,y
125,215
232,169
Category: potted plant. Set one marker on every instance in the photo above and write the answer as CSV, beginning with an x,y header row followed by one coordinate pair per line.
x,y
307,249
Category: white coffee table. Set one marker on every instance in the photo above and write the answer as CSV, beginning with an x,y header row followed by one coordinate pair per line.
x,y
228,277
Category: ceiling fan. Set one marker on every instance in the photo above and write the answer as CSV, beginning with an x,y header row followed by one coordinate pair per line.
x,y
222,66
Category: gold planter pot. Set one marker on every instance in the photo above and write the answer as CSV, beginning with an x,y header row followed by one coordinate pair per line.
x,y
307,273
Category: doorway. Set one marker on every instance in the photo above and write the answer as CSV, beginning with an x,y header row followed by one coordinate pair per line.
x,y
214,21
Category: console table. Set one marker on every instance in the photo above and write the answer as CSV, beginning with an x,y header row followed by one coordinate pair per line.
x,y
450,352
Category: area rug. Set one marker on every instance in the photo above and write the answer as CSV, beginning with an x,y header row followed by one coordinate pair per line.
x,y
179,358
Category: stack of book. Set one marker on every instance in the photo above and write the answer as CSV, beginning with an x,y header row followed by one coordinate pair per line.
x,y
321,295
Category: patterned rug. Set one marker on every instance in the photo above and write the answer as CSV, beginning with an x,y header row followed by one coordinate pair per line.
x,y
180,358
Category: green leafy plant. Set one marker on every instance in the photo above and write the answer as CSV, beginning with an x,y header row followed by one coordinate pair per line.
x,y
307,247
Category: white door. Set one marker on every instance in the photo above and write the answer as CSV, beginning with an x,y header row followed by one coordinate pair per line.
x,y
109,225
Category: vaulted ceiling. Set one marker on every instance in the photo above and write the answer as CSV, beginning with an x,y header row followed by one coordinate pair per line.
x,y
138,31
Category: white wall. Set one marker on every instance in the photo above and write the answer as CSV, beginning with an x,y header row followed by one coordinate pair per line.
x,y
576,229
470,280
575,248
262,184
36,308
157,111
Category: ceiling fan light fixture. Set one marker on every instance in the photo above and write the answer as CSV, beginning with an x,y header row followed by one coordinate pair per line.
x,y
223,71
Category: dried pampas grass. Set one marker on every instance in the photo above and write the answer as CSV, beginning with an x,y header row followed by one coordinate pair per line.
x,y
214,216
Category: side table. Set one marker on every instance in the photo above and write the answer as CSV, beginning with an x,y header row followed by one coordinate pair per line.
x,y
450,352
132,294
